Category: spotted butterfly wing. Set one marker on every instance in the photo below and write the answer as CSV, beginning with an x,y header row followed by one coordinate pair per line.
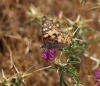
x,y
53,38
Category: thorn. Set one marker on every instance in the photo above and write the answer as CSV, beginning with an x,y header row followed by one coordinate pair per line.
x,y
57,71
23,82
75,31
3,75
11,59
42,69
28,46
78,18
16,69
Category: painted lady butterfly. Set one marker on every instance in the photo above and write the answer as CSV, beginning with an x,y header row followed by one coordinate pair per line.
x,y
53,37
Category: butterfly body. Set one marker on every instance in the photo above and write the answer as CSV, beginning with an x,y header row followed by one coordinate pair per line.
x,y
53,37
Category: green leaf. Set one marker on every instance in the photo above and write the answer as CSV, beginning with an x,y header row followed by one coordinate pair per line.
x,y
73,69
73,62
67,50
95,8
73,74
78,58
74,57
79,47
94,41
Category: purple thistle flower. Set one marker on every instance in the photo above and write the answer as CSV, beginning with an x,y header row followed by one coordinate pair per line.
x,y
49,55
97,84
98,74
59,15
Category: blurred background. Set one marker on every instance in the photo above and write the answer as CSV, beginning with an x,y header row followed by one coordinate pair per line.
x,y
21,38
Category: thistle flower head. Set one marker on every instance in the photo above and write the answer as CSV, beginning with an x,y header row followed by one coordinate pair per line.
x,y
98,74
97,84
59,15
49,55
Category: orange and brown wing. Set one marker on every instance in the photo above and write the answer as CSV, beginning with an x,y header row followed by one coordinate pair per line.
x,y
53,38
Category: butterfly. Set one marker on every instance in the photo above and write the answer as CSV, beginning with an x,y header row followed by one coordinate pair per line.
x,y
53,37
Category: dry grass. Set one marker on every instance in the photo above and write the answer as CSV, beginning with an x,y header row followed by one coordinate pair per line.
x,y
18,27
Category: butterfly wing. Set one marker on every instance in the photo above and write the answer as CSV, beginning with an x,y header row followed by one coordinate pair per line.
x,y
53,38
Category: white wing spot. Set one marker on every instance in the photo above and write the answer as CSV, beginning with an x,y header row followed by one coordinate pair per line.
x,y
46,35
44,29
45,24
49,26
